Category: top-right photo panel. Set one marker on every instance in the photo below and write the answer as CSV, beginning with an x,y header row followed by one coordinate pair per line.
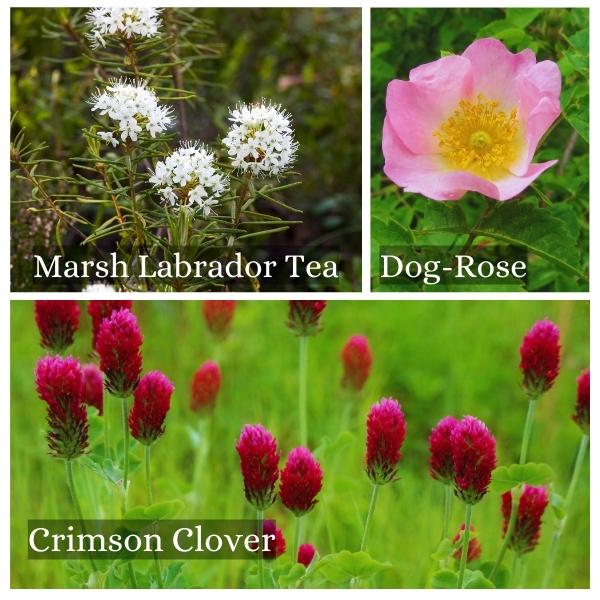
x,y
480,150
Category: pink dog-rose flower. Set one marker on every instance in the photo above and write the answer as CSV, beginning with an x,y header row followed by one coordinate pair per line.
x,y
470,122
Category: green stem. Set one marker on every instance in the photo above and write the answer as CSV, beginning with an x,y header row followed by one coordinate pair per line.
x,y
560,525
297,538
200,459
527,431
465,545
150,501
125,454
447,510
106,423
363,543
490,206
259,526
514,510
302,373
73,493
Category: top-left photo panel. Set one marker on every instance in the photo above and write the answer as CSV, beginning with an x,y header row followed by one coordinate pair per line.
x,y
185,149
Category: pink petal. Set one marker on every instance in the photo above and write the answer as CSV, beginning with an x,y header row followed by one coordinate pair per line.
x,y
416,108
495,70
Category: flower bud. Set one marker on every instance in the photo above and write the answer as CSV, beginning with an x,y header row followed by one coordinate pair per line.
x,y
532,504
100,310
357,360
93,387
582,409
474,551
474,458
540,357
118,343
386,430
57,321
304,316
151,403
276,547
306,553
259,463
301,481
205,387
59,384
441,462
218,315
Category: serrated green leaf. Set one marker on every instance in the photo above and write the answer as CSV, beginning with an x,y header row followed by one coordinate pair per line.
x,y
505,478
522,16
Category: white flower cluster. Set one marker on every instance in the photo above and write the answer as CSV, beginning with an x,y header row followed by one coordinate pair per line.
x,y
188,177
260,140
127,22
98,288
134,108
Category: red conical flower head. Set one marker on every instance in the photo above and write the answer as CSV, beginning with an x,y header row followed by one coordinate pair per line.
x,y
306,553
301,481
540,357
259,463
93,387
474,458
277,545
151,403
441,460
357,361
218,315
474,551
205,387
386,430
119,343
100,310
59,384
304,316
57,321
582,409
532,504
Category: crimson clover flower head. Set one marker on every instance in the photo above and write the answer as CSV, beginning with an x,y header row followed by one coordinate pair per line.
x,y
306,554
59,384
151,403
93,387
582,409
301,481
259,464
474,459
540,357
474,550
205,387
441,460
119,344
276,547
57,321
532,504
100,310
386,430
357,360
304,316
218,315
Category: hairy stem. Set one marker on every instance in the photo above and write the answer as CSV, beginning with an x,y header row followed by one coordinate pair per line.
x,y
527,431
150,501
514,510
261,566
125,487
297,538
465,545
447,510
302,383
363,543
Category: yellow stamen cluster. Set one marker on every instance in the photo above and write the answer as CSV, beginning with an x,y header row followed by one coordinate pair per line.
x,y
478,136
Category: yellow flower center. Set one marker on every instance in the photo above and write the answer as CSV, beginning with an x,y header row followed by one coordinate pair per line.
x,y
479,137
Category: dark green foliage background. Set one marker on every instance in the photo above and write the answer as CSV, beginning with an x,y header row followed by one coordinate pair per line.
x,y
309,60
436,358
556,206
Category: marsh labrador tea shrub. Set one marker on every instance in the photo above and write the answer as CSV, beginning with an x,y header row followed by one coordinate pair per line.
x,y
462,458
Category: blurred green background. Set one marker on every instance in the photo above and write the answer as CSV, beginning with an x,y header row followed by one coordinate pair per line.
x,y
404,38
436,358
307,59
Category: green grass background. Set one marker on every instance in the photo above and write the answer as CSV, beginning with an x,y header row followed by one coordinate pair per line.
x,y
436,358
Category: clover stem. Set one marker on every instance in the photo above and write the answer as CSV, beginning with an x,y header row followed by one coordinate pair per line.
x,y
259,527
465,545
297,538
363,543
74,499
125,454
514,511
527,431
150,501
560,525
302,374
447,510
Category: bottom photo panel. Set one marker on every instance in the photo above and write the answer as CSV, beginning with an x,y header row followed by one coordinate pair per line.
x,y
300,444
